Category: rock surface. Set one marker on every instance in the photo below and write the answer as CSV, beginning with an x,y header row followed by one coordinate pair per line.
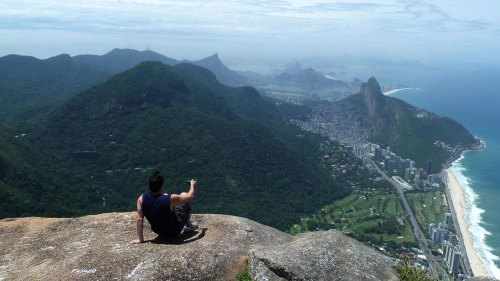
x,y
324,255
97,248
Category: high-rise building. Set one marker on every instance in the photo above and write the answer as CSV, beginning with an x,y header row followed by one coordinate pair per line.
x,y
429,166
449,256
455,262
438,233
431,229
446,246
435,235
412,164
407,163
378,154
434,179
447,218
445,234
407,174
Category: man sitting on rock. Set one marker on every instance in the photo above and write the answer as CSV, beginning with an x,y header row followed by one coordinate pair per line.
x,y
168,214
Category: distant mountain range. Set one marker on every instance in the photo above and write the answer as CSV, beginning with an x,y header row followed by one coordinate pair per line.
x,y
119,60
94,152
297,84
30,86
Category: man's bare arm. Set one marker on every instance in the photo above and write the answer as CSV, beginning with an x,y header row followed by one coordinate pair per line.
x,y
140,222
183,197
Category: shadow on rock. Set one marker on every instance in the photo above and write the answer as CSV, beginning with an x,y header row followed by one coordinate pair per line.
x,y
184,238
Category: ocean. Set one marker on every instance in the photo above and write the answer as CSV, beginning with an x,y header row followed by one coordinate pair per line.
x,y
472,97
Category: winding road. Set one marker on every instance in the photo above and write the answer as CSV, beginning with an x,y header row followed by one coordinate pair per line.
x,y
417,231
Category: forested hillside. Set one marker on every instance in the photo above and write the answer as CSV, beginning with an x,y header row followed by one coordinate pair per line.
x,y
94,153
29,86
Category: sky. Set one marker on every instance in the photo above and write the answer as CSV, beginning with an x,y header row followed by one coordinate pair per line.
x,y
406,30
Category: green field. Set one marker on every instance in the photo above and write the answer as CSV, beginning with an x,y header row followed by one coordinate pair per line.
x,y
371,219
428,207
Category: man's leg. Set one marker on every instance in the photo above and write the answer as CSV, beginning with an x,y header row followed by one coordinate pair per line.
x,y
183,213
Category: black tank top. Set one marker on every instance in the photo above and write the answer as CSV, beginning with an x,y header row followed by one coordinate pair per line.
x,y
156,209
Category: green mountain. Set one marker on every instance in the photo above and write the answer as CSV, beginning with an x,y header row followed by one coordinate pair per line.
x,y
369,115
411,132
119,60
29,86
94,153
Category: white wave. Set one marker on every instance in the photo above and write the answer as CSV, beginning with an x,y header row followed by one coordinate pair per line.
x,y
474,221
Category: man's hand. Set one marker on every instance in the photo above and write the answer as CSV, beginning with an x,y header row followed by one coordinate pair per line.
x,y
136,241
193,182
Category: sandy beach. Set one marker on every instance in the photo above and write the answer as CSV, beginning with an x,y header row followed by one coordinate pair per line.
x,y
395,91
459,201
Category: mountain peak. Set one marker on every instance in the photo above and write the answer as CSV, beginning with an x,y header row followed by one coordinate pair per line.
x,y
63,58
118,60
114,52
121,51
213,59
373,98
373,86
221,71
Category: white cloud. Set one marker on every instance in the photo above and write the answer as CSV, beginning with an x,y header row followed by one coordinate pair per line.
x,y
284,27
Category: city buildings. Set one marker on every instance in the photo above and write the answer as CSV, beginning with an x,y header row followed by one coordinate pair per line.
x,y
438,234
394,165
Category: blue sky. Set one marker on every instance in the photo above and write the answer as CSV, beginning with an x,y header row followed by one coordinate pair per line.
x,y
426,31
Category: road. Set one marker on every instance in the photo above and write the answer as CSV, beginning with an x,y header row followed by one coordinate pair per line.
x,y
461,244
419,235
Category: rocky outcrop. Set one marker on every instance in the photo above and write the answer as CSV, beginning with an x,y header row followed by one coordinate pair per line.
x,y
375,102
323,255
97,248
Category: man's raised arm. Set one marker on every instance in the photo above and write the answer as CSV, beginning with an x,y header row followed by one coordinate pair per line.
x,y
140,222
183,197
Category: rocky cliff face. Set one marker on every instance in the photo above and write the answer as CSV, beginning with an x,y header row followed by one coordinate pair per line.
x,y
374,101
97,248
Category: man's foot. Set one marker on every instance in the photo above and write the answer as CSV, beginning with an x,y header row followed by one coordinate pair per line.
x,y
190,226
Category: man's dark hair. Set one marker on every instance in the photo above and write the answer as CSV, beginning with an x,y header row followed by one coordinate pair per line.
x,y
156,181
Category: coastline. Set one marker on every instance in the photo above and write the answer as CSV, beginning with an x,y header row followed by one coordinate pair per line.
x,y
459,202
393,91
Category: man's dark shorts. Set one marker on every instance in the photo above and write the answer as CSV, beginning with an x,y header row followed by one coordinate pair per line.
x,y
182,213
